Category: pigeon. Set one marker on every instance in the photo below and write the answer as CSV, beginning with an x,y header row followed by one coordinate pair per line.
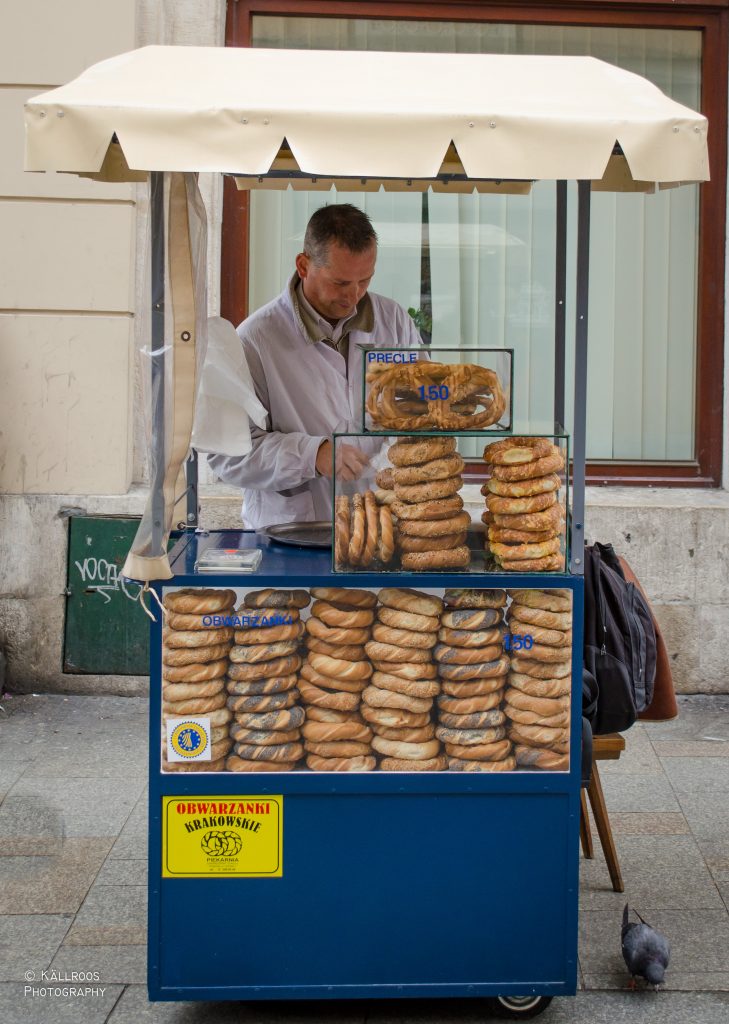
x,y
645,951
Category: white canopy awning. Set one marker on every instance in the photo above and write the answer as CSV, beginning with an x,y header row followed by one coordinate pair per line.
x,y
366,115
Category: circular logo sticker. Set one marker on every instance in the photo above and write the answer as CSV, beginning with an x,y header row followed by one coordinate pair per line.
x,y
189,739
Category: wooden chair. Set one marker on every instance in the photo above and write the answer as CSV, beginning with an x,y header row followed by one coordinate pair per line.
x,y
604,748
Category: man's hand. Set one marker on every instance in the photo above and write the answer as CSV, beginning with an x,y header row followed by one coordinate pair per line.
x,y
350,461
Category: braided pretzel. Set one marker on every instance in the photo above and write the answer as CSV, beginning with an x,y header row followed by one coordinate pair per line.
x,y
326,732
458,764
408,620
276,599
476,720
340,764
438,469
346,616
265,702
199,602
195,637
263,739
402,637
426,764
349,652
374,697
504,535
511,506
341,531
435,527
426,732
468,705
474,688
240,764
540,467
438,508
394,718
372,518
463,381
386,548
455,558
406,453
319,714
195,673
340,668
174,692
534,757
277,752
429,491
411,687
180,656
523,488
337,748
515,451
257,687
408,670
345,595
517,552
357,536
549,563
407,751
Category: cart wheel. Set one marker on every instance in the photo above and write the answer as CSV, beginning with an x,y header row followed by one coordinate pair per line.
x,y
521,1007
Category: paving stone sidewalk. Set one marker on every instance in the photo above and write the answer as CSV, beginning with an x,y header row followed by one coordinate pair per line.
x,y
73,871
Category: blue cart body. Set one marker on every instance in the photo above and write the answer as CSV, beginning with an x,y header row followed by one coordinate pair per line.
x,y
438,884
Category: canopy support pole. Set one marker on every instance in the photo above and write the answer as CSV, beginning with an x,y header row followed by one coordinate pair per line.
x,y
157,215
560,297
579,423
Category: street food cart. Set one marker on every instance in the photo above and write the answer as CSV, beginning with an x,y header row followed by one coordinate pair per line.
x,y
365,752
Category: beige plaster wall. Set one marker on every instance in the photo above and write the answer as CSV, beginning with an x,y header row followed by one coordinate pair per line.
x,y
66,272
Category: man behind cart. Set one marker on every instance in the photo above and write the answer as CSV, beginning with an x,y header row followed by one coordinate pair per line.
x,y
304,357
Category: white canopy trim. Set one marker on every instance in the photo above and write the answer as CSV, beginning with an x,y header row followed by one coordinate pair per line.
x,y
367,115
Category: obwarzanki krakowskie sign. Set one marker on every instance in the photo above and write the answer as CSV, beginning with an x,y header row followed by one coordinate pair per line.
x,y
227,836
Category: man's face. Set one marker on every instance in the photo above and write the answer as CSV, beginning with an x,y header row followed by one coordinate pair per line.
x,y
335,288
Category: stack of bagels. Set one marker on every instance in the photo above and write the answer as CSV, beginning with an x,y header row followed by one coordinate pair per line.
x,y
523,516
262,682
432,524
363,532
537,702
194,664
398,703
332,679
473,670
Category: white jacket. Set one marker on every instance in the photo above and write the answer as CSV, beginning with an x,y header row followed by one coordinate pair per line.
x,y
308,396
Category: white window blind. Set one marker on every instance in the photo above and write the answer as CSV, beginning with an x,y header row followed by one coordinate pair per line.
x,y
492,257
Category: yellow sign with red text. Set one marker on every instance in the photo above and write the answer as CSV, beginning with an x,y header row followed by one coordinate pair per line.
x,y
224,836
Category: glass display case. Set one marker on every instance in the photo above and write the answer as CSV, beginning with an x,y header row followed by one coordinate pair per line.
x,y
398,503
343,679
437,389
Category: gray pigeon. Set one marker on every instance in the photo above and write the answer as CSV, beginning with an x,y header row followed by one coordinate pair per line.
x,y
645,951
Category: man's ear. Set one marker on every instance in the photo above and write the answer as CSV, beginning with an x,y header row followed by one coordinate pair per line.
x,y
302,265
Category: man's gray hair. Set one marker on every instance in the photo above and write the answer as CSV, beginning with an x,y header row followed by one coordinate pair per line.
x,y
342,223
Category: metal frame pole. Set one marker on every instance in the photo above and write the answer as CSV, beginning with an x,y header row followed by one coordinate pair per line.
x,y
579,426
192,509
157,215
560,299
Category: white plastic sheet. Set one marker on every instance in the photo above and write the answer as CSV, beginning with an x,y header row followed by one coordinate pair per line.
x,y
226,398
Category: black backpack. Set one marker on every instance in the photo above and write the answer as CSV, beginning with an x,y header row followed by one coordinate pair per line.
x,y
620,642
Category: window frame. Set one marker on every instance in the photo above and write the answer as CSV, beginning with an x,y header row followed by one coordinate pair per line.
x,y
711,17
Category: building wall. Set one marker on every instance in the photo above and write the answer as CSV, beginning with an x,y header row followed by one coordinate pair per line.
x,y
71,269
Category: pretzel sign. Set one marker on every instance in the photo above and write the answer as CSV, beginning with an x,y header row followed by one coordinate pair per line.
x,y
396,401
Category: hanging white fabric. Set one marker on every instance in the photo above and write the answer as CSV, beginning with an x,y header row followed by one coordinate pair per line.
x,y
226,398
